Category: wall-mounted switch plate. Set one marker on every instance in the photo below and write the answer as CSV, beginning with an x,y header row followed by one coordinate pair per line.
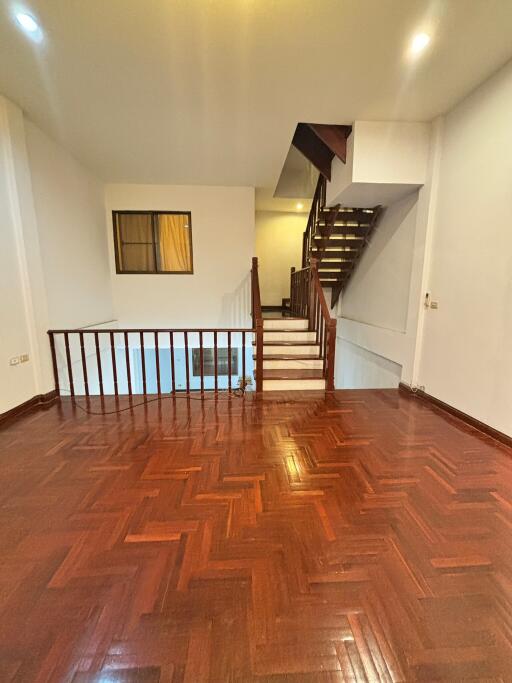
x,y
24,358
14,361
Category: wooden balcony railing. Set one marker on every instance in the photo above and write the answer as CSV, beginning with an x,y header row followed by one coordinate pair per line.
x,y
113,361
150,361
308,301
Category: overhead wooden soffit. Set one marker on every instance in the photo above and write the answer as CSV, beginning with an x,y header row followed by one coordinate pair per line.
x,y
320,143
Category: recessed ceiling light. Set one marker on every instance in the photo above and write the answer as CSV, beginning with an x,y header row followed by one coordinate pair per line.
x,y
27,22
419,42
299,206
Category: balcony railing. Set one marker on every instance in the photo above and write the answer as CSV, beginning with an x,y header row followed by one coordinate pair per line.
x,y
118,362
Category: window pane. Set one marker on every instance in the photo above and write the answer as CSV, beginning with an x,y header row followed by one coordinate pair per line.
x,y
174,243
135,242
209,362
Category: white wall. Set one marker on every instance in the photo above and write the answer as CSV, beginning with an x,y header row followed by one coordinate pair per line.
x,y
218,292
70,208
53,253
380,309
278,248
357,368
18,332
378,292
375,307
466,357
386,161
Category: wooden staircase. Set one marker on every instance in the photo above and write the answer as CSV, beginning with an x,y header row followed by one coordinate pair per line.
x,y
336,237
295,352
291,355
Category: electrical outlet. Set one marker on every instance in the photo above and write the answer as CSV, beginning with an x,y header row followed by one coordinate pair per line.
x,y
14,361
24,358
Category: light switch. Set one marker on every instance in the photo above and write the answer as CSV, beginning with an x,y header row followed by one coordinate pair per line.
x,y
24,358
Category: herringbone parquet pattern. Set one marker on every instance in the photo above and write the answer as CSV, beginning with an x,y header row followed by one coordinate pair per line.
x,y
358,537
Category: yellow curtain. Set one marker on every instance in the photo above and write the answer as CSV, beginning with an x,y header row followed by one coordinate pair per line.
x,y
135,240
174,243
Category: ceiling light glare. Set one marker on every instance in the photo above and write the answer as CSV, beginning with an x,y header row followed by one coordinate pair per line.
x,y
29,26
299,206
27,22
419,43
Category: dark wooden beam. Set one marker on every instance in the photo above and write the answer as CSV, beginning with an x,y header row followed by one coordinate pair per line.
x,y
334,136
311,146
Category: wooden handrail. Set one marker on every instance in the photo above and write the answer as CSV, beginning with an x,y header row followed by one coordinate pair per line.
x,y
317,295
308,300
257,322
317,205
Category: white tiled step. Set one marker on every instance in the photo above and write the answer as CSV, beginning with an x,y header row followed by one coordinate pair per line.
x,y
291,336
293,384
285,324
288,364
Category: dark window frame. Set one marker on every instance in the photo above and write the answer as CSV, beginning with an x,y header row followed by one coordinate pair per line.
x,y
154,215
221,363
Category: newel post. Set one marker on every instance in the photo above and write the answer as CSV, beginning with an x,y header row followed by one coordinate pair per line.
x,y
54,362
331,350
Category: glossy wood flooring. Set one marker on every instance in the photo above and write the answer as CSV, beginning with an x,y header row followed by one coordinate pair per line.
x,y
359,537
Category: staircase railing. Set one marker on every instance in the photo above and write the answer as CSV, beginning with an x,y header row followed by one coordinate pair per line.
x,y
314,214
257,323
308,301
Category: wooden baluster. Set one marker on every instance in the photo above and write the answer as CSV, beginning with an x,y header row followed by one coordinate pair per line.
x,y
215,361
312,294
143,363
292,294
114,365
229,361
321,347
84,364
324,349
98,362
171,349
201,360
127,357
70,367
331,350
318,318
259,356
157,365
54,363
243,359
187,370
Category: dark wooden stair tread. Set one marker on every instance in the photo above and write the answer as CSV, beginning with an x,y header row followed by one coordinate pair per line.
x,y
283,356
282,330
287,343
285,317
293,374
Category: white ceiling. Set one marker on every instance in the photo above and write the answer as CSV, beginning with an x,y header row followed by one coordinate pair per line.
x,y
210,91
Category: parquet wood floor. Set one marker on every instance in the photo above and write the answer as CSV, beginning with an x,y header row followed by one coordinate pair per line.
x,y
360,537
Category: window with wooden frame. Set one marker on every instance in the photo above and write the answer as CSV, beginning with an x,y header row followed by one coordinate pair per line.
x,y
149,242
